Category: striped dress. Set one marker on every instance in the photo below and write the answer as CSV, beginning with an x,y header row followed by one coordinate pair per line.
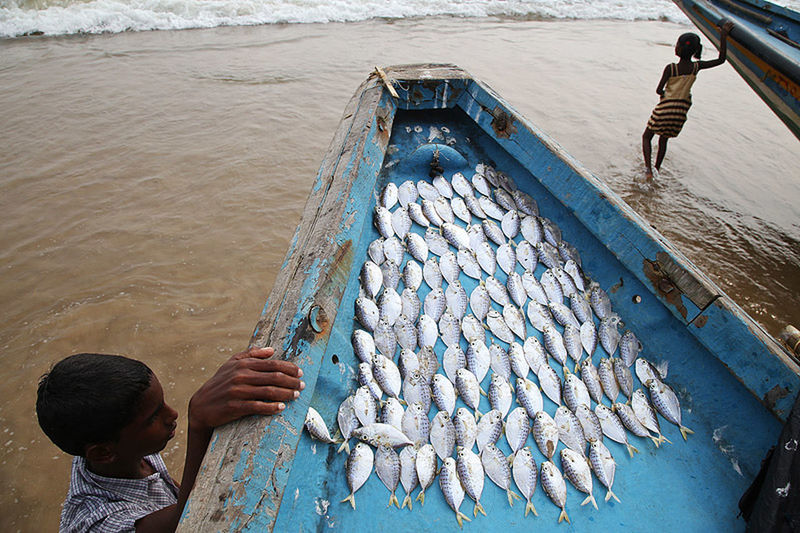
x,y
670,113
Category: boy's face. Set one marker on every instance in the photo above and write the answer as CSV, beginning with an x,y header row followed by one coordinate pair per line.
x,y
151,429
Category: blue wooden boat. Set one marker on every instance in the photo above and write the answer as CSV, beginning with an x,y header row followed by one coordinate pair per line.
x,y
735,382
763,47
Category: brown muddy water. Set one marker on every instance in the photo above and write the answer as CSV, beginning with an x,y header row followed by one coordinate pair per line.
x,y
150,184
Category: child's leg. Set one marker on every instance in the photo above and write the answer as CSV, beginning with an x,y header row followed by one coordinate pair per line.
x,y
647,150
662,150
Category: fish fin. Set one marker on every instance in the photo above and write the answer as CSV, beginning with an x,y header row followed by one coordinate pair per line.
x,y
345,446
610,495
512,496
589,498
420,498
655,440
351,499
662,438
529,507
684,431
563,516
393,501
662,369
461,517
478,507
632,449
406,501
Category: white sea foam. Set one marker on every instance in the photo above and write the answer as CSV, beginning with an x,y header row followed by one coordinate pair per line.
x,y
58,17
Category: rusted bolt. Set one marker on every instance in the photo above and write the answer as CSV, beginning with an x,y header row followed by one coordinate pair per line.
x,y
665,286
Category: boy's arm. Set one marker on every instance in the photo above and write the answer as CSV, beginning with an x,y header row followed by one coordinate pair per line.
x,y
247,384
723,48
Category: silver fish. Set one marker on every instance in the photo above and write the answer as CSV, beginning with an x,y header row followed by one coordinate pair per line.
x,y
474,206
427,330
416,214
569,253
432,273
389,195
478,358
515,321
525,203
570,431
390,305
443,394
576,468
518,426
529,397
646,414
667,404
486,258
473,328
554,343
365,407
504,200
469,263
497,291
613,427
603,465
500,394
499,361
572,268
550,383
348,422
591,378
387,375
470,471
564,315
572,340
412,275
548,255
457,299
387,466
358,468
575,392
408,473
498,327
450,328
407,362
646,370
381,434
371,278
506,257
427,190
428,363
517,361
623,375
600,302
426,469
435,304
493,232
568,286
476,236
453,359
506,182
581,307
609,335
631,423
545,433
466,428
407,193
375,251
531,229
366,379
391,274
497,468
416,389
401,221
468,388
417,247
551,286
589,337
608,379
452,489
526,474
404,330
629,348
535,355
510,224
385,339
363,345
411,305
436,243
592,429
462,185
461,210
555,487
367,313
527,256
534,288
443,434
415,424
455,235
443,186
383,221
392,413
316,427
481,184
552,233
480,301
490,427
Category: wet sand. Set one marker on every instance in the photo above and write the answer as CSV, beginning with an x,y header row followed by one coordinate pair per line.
x,y
150,184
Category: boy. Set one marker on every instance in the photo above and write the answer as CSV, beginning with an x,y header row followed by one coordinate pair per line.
x,y
109,412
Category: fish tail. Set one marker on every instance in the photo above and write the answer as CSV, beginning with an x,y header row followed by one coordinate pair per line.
x,y
478,414
662,438
511,497
632,449
685,430
577,366
351,499
565,369
483,392
461,517
478,507
529,507
610,495
563,516
406,501
420,498
393,501
590,498
345,446
656,440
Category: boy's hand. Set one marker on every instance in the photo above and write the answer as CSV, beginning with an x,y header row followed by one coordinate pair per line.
x,y
249,383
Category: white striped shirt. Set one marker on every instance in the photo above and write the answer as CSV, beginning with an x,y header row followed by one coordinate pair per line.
x,y
109,505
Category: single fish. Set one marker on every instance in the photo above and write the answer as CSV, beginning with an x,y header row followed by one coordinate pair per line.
x,y
476,236
576,468
623,375
555,487
358,469
427,190
443,394
455,235
389,195
432,273
608,379
548,255
468,388
505,200
385,338
452,490
316,427
390,305
589,337
435,303
410,305
348,422
387,375
448,265
570,431
443,435
493,232
412,276
506,257
591,378
481,184
375,251
484,254
457,299
371,278
552,233
417,247
603,465
366,379
535,355
581,308
500,394
367,313
490,427
629,348
573,268
470,471
437,244
480,301
365,407
461,210
387,466
539,315
575,392
609,335
529,397
500,364
554,343
527,255
416,389
531,229
426,469
391,274
525,203
407,193
551,286
646,370
646,414
383,221
363,345
518,426
469,263
461,185
510,224
466,428
667,404
473,329
453,359
415,424
450,328
545,434
550,383
612,427
592,429
418,215
427,331
564,315
443,186
428,363
392,413
478,359
526,474
516,289
474,206
401,222
378,434
515,320
408,473
498,327
517,361
600,302
573,343
498,469
497,291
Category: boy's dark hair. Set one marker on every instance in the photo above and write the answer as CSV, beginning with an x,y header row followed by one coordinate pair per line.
x,y
88,398
689,45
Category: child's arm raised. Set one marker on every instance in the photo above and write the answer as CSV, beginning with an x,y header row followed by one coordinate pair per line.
x,y
723,48
249,383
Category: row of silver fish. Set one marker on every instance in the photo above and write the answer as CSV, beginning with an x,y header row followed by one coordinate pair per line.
x,y
391,320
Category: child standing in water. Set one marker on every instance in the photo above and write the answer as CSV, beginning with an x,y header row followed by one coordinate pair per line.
x,y
674,88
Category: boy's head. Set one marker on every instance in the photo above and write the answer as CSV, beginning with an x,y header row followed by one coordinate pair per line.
x,y
87,399
688,45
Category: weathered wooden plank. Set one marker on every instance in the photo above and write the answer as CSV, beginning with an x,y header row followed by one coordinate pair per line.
x,y
245,469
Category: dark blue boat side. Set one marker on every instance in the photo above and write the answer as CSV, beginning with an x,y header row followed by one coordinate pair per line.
x,y
734,381
764,48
